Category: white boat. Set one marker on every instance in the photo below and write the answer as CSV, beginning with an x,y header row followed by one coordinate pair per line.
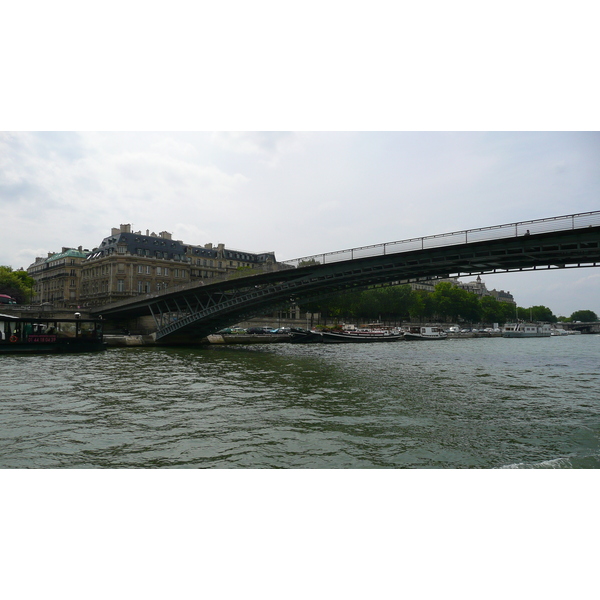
x,y
425,333
523,329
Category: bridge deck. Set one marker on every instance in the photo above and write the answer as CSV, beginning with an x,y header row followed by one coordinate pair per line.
x,y
198,309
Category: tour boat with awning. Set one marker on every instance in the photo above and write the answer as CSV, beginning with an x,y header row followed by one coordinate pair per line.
x,y
34,335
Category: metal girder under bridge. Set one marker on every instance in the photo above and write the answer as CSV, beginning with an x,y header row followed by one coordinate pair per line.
x,y
199,309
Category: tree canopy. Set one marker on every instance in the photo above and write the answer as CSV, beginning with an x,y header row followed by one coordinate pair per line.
x,y
16,284
537,313
585,316
400,303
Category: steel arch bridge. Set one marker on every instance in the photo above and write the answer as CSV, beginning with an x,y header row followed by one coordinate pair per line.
x,y
193,311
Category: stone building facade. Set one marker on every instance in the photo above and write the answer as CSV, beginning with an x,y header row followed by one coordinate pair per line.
x,y
479,288
58,277
129,263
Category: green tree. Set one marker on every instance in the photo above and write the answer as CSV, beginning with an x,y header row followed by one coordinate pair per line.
x,y
508,312
536,313
470,307
421,306
16,284
390,303
445,300
585,316
491,310
451,302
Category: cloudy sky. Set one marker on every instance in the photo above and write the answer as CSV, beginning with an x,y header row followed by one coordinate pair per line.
x,y
298,193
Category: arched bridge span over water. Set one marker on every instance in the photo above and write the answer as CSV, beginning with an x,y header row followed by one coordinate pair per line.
x,y
199,309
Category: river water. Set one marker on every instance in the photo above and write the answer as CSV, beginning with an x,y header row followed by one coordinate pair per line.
x,y
467,403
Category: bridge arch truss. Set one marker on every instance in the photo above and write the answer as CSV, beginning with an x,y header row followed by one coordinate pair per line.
x,y
196,310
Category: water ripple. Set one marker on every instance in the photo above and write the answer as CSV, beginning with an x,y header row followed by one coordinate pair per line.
x,y
477,403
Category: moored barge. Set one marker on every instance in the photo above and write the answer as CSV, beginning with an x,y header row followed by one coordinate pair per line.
x,y
523,329
33,335
300,336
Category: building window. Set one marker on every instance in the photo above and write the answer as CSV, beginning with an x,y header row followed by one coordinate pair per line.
x,y
159,270
148,271
140,269
120,285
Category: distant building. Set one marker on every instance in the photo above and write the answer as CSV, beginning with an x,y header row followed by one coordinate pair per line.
x,y
57,277
476,287
130,263
502,296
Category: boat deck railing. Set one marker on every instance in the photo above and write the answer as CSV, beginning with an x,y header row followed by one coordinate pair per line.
x,y
466,236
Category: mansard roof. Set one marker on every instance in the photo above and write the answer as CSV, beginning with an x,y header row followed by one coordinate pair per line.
x,y
149,245
135,241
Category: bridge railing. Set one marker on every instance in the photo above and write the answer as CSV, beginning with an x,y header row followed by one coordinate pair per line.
x,y
467,236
